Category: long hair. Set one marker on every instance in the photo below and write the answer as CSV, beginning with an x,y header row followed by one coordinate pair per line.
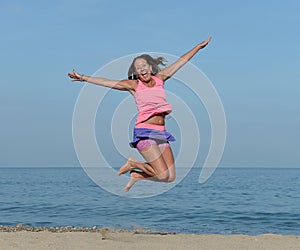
x,y
154,62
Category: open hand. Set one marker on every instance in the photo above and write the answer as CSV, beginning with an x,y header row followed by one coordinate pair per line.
x,y
75,76
204,43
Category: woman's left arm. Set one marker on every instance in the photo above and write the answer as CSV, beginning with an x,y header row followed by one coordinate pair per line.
x,y
169,71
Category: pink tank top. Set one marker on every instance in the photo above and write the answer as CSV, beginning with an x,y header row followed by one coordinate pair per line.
x,y
151,100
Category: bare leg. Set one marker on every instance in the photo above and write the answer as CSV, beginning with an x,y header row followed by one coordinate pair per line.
x,y
167,154
131,182
160,165
135,177
155,164
135,164
138,176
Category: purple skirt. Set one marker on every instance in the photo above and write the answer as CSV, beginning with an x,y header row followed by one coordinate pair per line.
x,y
147,133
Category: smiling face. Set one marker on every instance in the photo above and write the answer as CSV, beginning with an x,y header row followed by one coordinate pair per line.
x,y
143,69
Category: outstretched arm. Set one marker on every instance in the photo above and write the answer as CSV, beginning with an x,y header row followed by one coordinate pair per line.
x,y
126,85
169,71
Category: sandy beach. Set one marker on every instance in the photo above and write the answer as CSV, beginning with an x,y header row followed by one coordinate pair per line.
x,y
109,239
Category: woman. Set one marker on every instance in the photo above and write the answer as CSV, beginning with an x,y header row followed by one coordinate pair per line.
x,y
146,83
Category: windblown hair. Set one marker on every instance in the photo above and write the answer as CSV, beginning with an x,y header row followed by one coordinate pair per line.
x,y
154,62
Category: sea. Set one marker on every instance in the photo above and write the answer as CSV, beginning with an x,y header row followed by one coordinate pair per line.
x,y
248,201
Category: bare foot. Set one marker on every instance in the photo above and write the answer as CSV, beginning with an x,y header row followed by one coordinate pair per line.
x,y
128,166
133,179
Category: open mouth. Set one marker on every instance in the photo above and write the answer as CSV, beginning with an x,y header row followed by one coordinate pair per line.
x,y
145,75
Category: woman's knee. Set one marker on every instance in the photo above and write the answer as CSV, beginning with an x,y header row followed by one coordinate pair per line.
x,y
166,177
163,176
171,178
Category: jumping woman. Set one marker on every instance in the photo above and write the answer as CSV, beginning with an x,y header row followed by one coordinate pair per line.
x,y
146,84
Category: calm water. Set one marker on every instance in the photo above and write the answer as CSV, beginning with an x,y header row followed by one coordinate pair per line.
x,y
233,201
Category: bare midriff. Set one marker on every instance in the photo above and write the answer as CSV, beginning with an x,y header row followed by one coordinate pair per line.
x,y
158,119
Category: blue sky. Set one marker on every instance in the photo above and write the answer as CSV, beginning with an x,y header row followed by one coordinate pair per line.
x,y
253,62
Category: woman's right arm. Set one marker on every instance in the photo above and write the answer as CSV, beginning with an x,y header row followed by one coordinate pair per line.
x,y
125,85
169,71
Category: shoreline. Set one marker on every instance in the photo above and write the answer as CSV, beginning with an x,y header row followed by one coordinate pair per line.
x,y
76,229
28,237
95,229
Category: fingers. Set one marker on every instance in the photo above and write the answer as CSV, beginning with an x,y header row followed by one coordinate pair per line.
x,y
205,42
74,78
71,75
74,75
